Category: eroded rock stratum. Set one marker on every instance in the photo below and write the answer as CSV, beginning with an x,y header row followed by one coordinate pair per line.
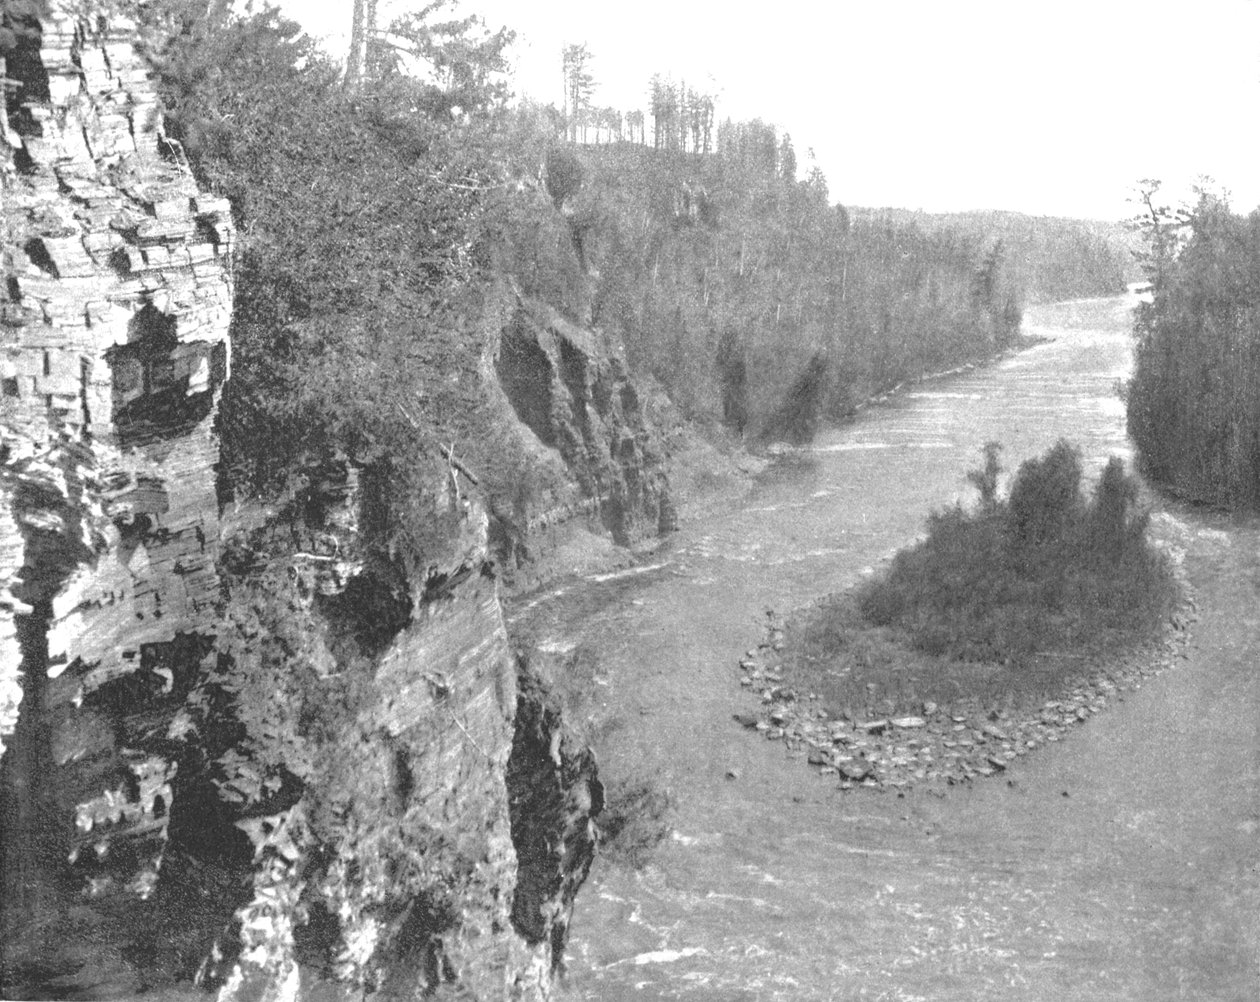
x,y
113,349
250,751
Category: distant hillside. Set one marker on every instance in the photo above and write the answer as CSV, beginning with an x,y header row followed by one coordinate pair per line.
x,y
750,296
1048,257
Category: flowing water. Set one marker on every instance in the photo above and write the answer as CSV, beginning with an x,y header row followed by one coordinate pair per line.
x,y
1119,864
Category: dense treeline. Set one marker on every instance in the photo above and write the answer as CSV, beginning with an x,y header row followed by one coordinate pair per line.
x,y
377,208
1194,400
369,217
374,216
1048,258
751,297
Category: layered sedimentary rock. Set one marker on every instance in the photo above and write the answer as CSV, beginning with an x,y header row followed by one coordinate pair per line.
x,y
576,411
390,793
264,755
113,347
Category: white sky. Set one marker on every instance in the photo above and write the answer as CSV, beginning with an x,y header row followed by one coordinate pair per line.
x,y
1050,107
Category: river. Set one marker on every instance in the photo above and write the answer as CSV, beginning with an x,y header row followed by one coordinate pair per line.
x,y
1119,864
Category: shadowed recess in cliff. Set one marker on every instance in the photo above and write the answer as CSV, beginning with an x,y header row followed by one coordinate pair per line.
x,y
366,616
592,452
574,373
525,373
25,809
162,388
25,67
554,796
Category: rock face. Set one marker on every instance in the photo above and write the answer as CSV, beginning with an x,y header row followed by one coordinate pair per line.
x,y
390,769
113,348
263,755
577,414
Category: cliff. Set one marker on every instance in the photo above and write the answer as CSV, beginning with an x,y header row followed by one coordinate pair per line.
x,y
114,347
255,749
572,443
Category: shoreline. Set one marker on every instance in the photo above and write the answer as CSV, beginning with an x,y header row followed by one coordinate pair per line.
x,y
731,476
974,737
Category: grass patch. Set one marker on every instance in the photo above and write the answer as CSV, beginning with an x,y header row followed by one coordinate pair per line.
x,y
1001,603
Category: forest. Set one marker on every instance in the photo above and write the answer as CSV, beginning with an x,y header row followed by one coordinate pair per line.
x,y
455,320
754,300
379,207
1050,258
1194,400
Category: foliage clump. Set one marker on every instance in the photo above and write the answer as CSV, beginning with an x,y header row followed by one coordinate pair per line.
x,y
1045,498
1194,399
1000,605
1045,570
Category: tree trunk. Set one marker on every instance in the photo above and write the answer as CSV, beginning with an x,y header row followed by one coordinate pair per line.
x,y
358,45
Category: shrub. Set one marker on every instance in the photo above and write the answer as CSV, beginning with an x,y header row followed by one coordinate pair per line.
x,y
985,479
1041,571
1045,498
1111,524
564,175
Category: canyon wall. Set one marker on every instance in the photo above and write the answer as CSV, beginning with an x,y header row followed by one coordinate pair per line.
x,y
250,750
113,349
571,414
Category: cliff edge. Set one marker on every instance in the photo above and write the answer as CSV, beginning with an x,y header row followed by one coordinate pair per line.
x,y
250,750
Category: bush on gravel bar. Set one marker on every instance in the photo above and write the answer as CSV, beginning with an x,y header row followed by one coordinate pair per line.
x,y
999,605
1045,570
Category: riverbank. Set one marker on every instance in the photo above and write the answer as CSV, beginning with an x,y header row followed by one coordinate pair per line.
x,y
711,471
978,735
986,639
781,886
713,476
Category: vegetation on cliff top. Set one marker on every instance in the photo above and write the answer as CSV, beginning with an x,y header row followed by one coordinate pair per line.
x,y
374,218
755,300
